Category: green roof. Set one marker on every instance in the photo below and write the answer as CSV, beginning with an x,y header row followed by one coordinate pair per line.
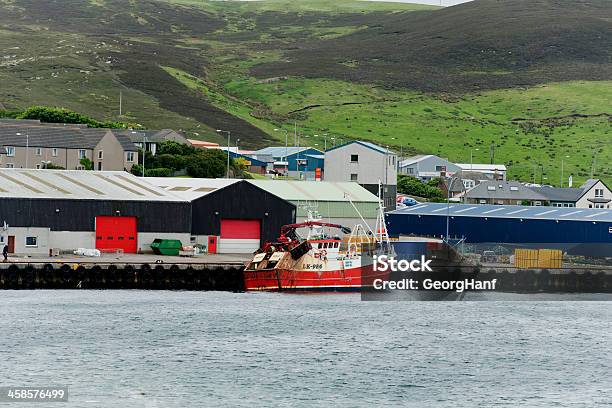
x,y
291,190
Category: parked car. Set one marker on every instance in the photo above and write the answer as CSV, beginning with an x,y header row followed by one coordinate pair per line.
x,y
403,201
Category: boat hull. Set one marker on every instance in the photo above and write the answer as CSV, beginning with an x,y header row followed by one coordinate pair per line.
x,y
346,280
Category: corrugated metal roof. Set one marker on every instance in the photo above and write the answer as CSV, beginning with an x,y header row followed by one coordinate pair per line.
x,y
509,211
193,188
280,151
79,185
316,190
190,188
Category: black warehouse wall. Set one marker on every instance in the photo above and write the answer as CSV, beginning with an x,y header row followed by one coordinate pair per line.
x,y
79,215
241,200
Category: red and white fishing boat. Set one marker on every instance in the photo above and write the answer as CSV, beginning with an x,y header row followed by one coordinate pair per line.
x,y
320,261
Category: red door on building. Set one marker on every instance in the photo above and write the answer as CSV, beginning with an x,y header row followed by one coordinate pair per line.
x,y
212,244
114,233
239,236
11,244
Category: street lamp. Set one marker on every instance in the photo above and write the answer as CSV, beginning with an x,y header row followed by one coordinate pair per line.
x,y
228,148
450,188
472,158
237,142
562,159
286,140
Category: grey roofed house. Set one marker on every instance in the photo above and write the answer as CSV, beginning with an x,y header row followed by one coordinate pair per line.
x,y
574,195
56,135
559,194
427,166
503,192
154,136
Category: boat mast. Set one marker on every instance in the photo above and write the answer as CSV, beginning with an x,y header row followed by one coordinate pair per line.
x,y
382,236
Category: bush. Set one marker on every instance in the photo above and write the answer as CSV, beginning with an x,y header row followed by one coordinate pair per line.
x,y
413,186
159,172
207,164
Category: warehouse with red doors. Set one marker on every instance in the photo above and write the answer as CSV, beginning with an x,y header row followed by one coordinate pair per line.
x,y
230,215
46,211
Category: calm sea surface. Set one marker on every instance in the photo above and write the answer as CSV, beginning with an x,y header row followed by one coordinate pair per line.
x,y
198,349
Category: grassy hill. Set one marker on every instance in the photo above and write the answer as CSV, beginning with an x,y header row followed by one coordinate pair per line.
x,y
479,45
531,77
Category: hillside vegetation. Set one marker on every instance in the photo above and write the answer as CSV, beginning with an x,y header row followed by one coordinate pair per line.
x,y
530,77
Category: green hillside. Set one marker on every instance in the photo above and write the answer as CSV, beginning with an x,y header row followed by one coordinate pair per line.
x,y
419,79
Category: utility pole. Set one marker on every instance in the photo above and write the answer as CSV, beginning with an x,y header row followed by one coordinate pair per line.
x,y
228,149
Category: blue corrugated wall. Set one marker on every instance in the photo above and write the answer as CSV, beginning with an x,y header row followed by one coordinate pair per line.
x,y
506,230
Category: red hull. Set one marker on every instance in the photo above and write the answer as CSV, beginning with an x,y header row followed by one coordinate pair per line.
x,y
291,280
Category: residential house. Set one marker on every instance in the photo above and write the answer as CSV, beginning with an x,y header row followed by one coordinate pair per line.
x,y
592,194
491,171
366,164
31,144
504,193
427,166
152,138
303,163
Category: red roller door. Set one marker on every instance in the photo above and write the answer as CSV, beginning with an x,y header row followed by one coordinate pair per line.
x,y
239,236
240,229
117,233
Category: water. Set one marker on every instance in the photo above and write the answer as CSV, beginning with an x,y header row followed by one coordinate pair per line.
x,y
198,349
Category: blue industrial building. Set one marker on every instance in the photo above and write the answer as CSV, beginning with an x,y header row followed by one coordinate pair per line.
x,y
296,160
564,228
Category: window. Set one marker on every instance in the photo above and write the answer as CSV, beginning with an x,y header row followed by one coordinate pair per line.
x,y
440,168
354,158
10,166
38,166
130,157
513,188
10,151
410,170
599,193
54,152
82,154
100,155
353,177
599,206
38,151
491,188
31,241
80,168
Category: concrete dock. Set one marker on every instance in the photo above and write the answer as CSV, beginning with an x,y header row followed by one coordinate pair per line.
x,y
205,272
